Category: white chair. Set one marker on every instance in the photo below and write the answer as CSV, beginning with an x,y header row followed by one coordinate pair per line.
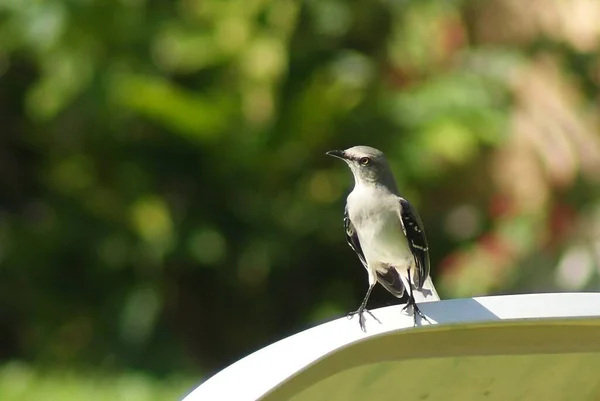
x,y
518,347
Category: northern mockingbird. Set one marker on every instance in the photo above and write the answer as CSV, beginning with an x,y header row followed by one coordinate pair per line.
x,y
385,231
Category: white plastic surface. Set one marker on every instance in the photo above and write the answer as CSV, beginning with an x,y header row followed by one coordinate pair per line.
x,y
269,372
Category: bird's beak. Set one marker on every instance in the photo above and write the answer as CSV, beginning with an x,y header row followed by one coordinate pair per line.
x,y
340,154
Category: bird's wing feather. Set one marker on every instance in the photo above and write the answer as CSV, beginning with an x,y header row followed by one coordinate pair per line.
x,y
389,279
352,238
417,242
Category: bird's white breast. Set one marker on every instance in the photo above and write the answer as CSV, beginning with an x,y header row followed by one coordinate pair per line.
x,y
376,219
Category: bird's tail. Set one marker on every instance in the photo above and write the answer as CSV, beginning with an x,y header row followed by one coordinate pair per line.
x,y
427,293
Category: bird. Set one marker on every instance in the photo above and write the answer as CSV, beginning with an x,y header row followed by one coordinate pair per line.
x,y
386,232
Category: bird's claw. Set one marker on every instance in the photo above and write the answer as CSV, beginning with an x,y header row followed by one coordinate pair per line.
x,y
415,312
361,317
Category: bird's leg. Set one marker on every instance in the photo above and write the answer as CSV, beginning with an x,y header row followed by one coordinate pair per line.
x,y
413,303
362,309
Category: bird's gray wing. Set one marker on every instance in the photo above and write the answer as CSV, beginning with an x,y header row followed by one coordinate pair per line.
x,y
390,279
417,241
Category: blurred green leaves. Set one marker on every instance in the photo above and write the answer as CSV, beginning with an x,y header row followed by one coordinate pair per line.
x,y
65,75
24,383
208,246
140,315
195,116
166,204
151,220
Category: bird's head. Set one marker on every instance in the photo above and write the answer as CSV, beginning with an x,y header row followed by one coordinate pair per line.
x,y
368,165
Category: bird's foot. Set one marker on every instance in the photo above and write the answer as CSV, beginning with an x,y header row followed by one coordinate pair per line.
x,y
415,311
361,317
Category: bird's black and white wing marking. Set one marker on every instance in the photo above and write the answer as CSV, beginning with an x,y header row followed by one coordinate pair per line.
x,y
390,279
417,242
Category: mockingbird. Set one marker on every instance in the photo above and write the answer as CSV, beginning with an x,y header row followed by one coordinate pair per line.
x,y
385,231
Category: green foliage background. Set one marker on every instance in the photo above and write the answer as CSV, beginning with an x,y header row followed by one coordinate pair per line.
x,y
166,206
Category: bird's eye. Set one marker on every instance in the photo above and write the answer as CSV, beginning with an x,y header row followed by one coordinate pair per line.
x,y
364,161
